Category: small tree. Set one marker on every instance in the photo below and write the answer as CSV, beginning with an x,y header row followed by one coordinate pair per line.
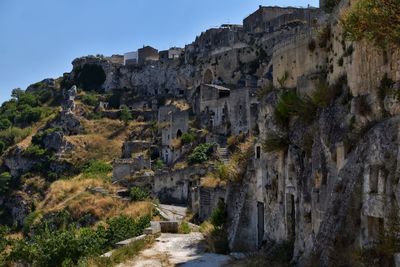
x,y
219,215
126,115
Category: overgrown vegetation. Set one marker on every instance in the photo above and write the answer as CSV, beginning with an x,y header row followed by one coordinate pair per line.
x,y
376,21
188,138
70,246
201,153
275,142
138,194
97,169
90,99
290,104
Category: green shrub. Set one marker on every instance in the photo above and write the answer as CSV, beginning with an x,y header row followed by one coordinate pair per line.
x,y
5,124
138,194
97,168
184,228
70,246
373,20
158,164
219,215
188,138
35,151
123,227
90,99
125,115
200,154
5,180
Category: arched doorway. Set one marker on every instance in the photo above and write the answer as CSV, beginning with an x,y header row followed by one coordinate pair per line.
x,y
208,77
178,133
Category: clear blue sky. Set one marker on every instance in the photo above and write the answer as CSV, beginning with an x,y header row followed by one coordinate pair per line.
x,y
40,38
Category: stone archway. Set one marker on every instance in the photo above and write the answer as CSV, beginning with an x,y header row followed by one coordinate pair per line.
x,y
208,77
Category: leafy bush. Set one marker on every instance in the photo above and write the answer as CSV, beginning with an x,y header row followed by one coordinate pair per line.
x,y
200,154
138,194
123,227
188,138
90,77
374,20
3,240
97,168
35,151
5,124
219,215
90,99
70,246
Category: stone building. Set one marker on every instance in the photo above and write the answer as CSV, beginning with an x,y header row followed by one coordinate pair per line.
x,y
147,53
172,53
173,122
269,19
224,110
131,58
127,168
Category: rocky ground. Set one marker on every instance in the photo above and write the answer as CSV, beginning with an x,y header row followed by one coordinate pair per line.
x,y
178,249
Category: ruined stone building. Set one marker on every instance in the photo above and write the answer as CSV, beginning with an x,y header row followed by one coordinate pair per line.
x,y
174,122
223,110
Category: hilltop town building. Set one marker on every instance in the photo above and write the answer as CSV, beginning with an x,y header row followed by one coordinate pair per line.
x,y
147,53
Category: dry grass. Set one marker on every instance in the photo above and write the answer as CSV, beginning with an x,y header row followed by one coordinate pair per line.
x,y
180,104
212,181
103,139
234,169
73,196
176,143
35,128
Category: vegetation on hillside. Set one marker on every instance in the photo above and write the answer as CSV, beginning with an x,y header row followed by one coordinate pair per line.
x,y
377,21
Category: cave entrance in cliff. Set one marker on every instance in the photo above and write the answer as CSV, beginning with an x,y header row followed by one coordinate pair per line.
x,y
179,133
208,77
290,217
260,223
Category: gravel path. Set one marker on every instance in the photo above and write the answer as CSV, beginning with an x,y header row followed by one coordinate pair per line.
x,y
178,250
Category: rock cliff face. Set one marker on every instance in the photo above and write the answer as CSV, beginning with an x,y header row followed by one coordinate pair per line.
x,y
324,116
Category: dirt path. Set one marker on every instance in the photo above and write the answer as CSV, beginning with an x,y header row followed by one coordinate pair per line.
x,y
178,250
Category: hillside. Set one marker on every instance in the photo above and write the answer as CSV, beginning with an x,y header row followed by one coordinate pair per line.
x,y
280,136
